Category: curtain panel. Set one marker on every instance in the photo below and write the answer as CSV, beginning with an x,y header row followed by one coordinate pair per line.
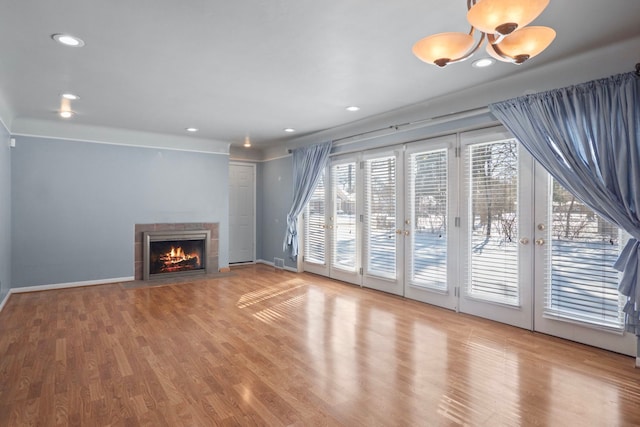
x,y
308,165
588,138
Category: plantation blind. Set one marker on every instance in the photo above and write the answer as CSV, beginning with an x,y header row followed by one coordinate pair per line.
x,y
380,214
314,226
428,208
583,285
493,228
343,177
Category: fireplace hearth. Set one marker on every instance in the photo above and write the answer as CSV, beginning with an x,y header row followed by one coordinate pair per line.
x,y
175,253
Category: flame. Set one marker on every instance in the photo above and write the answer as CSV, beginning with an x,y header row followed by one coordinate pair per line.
x,y
174,260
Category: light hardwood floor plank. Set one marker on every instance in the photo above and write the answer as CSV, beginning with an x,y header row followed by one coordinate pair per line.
x,y
266,347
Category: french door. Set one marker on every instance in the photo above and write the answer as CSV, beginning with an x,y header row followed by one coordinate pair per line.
x,y
533,255
383,221
332,228
430,232
496,220
576,293
470,222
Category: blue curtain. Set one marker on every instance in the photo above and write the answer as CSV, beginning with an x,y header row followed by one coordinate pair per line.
x,y
308,164
588,138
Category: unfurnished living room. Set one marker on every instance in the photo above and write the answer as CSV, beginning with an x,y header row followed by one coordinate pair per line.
x,y
296,213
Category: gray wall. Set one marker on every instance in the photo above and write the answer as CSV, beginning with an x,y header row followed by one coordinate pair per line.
x,y
275,185
5,213
74,205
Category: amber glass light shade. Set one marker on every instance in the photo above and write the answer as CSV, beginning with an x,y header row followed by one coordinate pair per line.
x,y
524,43
504,16
440,49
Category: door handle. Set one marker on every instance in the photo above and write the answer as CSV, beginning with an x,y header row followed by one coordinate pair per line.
x,y
524,240
406,232
539,242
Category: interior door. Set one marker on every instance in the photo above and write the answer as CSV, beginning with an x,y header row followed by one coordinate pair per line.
x,y
241,213
430,235
383,223
496,224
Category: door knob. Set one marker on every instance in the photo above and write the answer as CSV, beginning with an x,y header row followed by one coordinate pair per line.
x,y
539,242
524,240
406,233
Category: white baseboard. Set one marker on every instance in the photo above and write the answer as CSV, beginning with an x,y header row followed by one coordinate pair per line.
x,y
261,261
69,285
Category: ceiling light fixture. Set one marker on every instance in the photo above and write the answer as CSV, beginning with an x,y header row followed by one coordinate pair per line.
x,y
65,108
247,142
68,40
289,130
502,22
353,108
191,129
70,96
482,63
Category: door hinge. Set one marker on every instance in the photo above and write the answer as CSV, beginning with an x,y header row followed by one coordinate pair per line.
x,y
456,291
457,151
456,222
361,271
361,165
361,218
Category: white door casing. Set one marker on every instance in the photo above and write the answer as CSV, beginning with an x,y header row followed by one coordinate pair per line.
x,y
241,212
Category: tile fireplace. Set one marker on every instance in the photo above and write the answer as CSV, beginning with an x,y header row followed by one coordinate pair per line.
x,y
174,253
175,249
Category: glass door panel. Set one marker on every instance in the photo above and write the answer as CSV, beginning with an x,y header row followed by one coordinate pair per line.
x,y
493,182
428,231
497,219
382,225
576,284
345,230
315,235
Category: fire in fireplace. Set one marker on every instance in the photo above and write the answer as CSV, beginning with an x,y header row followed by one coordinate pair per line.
x,y
173,253
172,257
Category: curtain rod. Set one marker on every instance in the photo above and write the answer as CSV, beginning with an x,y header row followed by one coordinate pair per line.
x,y
450,116
436,119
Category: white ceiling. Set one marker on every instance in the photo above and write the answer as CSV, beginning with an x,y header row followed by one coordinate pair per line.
x,y
254,67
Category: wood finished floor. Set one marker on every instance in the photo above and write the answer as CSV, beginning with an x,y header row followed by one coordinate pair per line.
x,y
263,347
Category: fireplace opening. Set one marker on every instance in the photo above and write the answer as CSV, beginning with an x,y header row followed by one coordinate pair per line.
x,y
176,256
179,253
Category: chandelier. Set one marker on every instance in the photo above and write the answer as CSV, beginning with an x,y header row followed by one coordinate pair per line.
x,y
502,23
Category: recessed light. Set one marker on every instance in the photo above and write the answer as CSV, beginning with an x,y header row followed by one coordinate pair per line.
x,y
481,63
68,40
66,114
70,96
353,108
247,142
289,130
191,129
